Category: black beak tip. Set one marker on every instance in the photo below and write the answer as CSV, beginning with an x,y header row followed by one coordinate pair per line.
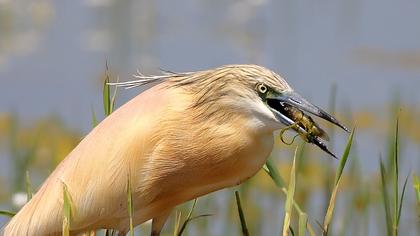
x,y
318,142
330,153
333,155
333,120
345,128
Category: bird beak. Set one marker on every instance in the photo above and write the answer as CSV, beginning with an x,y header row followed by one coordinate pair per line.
x,y
291,109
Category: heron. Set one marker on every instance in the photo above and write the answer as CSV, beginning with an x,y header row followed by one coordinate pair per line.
x,y
188,135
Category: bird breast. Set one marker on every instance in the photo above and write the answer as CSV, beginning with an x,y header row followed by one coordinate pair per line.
x,y
194,155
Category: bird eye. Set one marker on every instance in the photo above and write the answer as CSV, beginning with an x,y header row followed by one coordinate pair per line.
x,y
262,88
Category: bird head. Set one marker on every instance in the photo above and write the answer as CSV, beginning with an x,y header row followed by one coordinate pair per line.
x,y
282,106
262,95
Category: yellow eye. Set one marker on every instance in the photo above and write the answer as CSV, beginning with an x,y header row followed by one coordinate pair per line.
x,y
262,88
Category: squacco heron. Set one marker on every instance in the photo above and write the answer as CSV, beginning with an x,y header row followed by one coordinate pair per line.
x,y
191,134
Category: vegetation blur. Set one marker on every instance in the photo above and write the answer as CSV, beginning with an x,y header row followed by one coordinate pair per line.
x,y
373,189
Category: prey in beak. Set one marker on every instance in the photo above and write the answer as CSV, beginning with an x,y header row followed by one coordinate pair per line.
x,y
293,111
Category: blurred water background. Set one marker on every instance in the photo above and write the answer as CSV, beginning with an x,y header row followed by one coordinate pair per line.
x,y
362,56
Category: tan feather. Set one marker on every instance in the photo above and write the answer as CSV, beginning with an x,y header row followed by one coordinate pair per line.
x,y
181,139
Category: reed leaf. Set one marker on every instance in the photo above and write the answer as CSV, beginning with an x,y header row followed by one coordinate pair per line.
x,y
114,97
289,198
7,213
188,219
67,213
272,171
385,197
396,170
130,204
339,172
303,220
241,214
106,93
28,187
416,186
402,199
344,157
94,119
177,223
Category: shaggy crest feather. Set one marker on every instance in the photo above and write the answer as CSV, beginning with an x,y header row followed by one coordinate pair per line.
x,y
206,77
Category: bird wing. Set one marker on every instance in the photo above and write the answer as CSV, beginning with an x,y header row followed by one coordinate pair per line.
x,y
95,172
